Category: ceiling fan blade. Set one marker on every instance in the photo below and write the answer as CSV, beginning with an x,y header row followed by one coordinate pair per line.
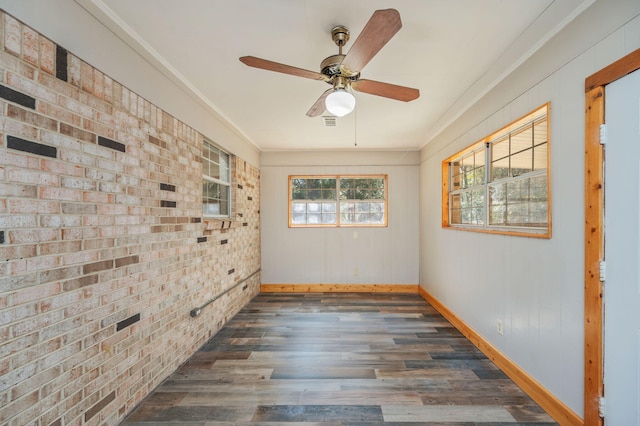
x,y
319,107
382,26
392,91
264,64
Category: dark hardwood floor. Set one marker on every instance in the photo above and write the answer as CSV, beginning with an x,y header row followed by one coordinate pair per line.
x,y
338,359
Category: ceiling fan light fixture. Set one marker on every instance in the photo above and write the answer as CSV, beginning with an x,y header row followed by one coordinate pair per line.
x,y
340,102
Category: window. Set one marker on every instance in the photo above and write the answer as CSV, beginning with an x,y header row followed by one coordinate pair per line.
x,y
501,183
338,200
216,181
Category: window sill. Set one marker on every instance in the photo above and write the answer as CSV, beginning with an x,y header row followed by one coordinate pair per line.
x,y
516,232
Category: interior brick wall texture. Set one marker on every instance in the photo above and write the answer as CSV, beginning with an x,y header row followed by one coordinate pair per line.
x,y
104,251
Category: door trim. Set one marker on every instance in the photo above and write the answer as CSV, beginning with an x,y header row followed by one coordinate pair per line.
x,y
593,235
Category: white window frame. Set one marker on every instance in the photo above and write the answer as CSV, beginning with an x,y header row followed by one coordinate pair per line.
x,y
220,181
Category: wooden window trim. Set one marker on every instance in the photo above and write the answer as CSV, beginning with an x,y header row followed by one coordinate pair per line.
x,y
338,225
517,232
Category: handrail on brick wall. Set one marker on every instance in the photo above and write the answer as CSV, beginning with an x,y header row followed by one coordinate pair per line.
x,y
196,311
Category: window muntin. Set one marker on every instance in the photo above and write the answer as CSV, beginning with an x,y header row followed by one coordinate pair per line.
x,y
500,184
338,200
216,181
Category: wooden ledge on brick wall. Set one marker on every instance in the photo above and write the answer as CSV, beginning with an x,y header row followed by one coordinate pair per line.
x,y
214,224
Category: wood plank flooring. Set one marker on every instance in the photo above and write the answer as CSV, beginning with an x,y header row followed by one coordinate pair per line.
x,y
338,359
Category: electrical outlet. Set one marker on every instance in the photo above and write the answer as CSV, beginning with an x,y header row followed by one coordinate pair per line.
x,y
499,327
356,272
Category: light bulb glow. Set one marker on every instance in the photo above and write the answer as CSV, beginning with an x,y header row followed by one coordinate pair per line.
x,y
340,102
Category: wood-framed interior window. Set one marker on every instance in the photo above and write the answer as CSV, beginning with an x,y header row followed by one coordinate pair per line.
x,y
332,200
501,183
216,181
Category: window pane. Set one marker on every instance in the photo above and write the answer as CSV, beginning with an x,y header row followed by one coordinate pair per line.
x,y
347,183
469,179
376,207
314,218
522,163
362,183
313,183
361,194
500,149
362,207
206,151
521,140
455,175
477,198
362,217
538,189
478,176
538,213
347,194
516,214
477,216
456,216
497,194
298,194
224,167
298,184
313,207
377,218
517,191
500,169
211,208
328,218
328,194
214,170
480,158
455,201
329,183
314,194
466,216
328,207
540,157
498,215
540,130
299,218
347,213
299,207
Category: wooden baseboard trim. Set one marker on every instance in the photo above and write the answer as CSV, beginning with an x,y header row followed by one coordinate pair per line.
x,y
552,405
339,288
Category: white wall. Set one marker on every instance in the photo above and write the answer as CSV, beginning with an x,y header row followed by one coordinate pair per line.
x,y
534,285
331,255
72,27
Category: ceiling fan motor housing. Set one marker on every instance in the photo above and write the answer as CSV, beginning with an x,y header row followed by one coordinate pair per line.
x,y
330,66
340,35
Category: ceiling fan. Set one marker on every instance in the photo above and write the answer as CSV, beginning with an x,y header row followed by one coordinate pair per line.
x,y
343,71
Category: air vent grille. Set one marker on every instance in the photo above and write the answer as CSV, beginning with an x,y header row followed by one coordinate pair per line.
x,y
330,121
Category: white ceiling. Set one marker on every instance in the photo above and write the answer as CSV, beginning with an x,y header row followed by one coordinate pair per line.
x,y
453,51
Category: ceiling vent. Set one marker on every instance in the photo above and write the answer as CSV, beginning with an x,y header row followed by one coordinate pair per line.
x,y
329,121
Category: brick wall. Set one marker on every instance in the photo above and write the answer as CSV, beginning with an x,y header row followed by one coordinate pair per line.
x,y
103,247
